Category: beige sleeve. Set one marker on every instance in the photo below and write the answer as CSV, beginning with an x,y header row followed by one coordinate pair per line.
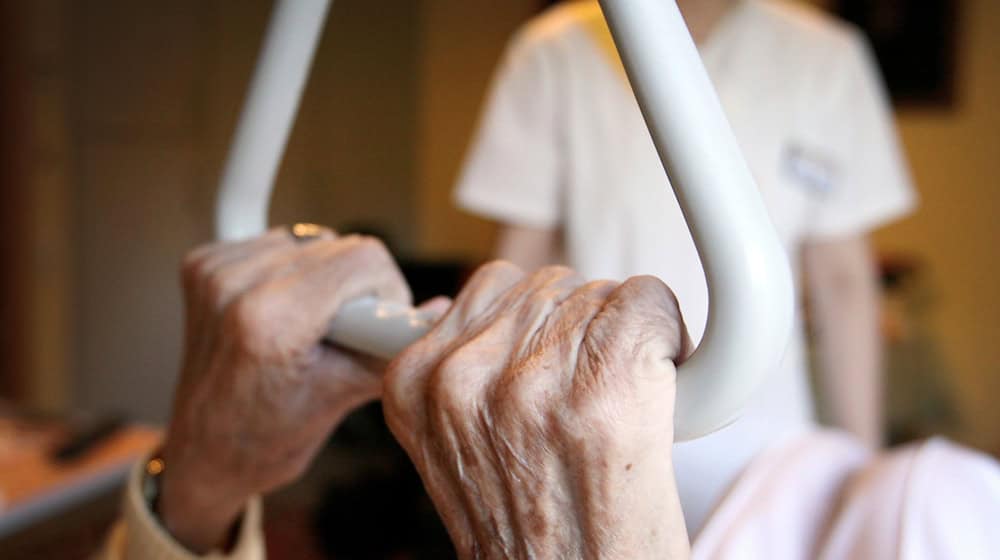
x,y
138,535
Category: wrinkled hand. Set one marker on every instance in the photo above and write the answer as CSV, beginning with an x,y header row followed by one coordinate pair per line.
x,y
539,413
259,392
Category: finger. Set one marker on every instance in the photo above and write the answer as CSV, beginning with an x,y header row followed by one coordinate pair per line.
x,y
467,351
206,291
302,303
527,307
214,292
204,261
435,308
258,263
513,316
637,337
211,255
488,283
648,312
547,363
563,333
405,388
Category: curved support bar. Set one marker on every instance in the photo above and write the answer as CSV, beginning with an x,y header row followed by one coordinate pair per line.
x,y
267,117
750,286
749,282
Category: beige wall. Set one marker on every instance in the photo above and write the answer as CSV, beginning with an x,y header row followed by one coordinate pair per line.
x,y
136,103
460,45
955,157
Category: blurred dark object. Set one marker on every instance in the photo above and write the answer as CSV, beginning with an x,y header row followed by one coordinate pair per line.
x,y
85,436
896,270
13,108
914,41
73,535
383,511
920,400
428,279
376,507
38,492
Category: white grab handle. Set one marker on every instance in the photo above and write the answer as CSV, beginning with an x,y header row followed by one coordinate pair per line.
x,y
750,290
267,117
750,286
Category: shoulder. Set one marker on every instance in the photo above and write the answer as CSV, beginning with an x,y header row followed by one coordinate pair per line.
x,y
801,24
561,20
558,27
557,41
932,495
807,37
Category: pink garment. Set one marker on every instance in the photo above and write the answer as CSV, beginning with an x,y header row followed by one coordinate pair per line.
x,y
822,495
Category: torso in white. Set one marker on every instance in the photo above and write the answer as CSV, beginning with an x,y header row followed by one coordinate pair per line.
x,y
563,144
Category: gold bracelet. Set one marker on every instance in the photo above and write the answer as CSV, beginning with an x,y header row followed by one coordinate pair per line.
x,y
152,473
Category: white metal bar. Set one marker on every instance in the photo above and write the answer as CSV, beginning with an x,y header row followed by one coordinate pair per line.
x,y
750,290
267,117
749,282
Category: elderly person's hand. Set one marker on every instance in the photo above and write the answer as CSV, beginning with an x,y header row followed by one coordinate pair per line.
x,y
259,392
539,413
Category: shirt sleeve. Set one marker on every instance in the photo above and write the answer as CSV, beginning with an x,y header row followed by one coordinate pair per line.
x,y
852,126
137,535
511,173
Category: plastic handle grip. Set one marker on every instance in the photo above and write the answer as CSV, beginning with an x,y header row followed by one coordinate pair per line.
x,y
750,286
377,328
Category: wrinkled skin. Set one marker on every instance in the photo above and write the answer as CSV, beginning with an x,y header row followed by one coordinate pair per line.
x,y
539,413
259,393
538,410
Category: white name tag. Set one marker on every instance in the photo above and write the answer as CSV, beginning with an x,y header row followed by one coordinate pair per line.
x,y
810,170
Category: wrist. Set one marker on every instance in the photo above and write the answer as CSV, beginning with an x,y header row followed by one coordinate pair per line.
x,y
198,514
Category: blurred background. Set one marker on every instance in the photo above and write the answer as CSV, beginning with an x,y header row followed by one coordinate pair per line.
x,y
117,114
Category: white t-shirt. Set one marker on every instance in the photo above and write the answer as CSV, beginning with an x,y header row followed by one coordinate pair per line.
x,y
562,144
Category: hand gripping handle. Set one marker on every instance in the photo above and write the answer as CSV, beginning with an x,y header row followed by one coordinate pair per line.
x,y
749,282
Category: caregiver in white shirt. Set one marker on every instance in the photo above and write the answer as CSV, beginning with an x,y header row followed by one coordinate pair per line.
x,y
563,160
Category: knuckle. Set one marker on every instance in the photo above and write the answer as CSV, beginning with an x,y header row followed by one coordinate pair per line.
x,y
490,273
247,320
539,303
368,249
487,284
555,271
499,267
598,289
448,388
399,393
372,255
650,292
646,308
522,397
193,265
218,287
